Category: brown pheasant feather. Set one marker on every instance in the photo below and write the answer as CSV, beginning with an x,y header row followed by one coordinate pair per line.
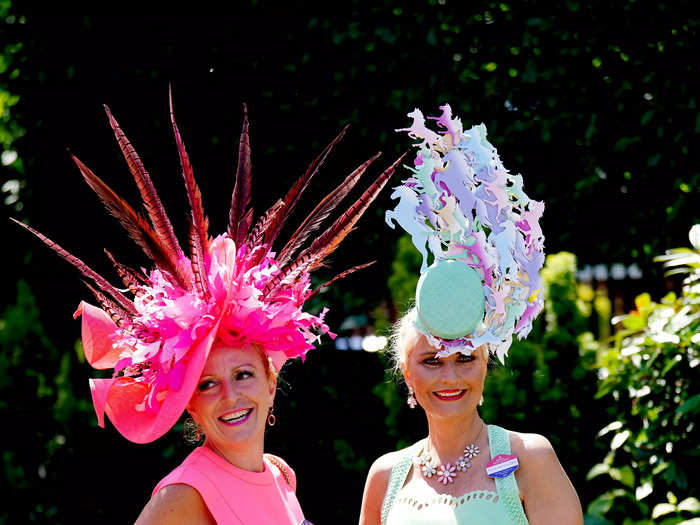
x,y
321,212
341,275
240,200
83,268
131,278
256,236
151,201
137,227
290,200
197,258
120,316
287,273
199,220
325,244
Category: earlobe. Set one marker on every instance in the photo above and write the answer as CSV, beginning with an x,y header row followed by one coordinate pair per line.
x,y
192,414
273,387
404,371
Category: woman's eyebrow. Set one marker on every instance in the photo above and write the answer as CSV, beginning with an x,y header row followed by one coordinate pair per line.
x,y
244,365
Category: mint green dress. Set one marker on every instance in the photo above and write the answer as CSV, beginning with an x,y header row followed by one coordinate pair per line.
x,y
408,506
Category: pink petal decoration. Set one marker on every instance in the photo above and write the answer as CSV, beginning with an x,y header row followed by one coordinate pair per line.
x,y
97,334
99,388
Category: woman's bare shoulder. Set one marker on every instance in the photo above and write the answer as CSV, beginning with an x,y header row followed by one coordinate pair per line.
x,y
383,464
175,504
531,447
547,493
376,485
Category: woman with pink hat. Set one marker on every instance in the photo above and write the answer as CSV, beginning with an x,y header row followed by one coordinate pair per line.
x,y
207,330
482,288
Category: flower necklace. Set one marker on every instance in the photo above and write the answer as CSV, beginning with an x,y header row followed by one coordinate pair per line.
x,y
447,472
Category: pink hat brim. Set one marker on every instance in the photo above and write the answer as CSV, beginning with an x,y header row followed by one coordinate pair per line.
x,y
124,399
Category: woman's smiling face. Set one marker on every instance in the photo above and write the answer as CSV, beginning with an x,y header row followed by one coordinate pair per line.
x,y
233,397
446,387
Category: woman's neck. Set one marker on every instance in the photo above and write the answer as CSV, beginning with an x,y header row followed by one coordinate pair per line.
x,y
448,437
247,458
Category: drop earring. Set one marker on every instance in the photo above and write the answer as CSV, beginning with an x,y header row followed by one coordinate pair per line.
x,y
411,398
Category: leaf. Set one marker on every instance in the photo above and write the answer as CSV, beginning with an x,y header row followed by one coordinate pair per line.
x,y
690,504
694,521
615,425
597,470
682,259
688,405
605,388
619,439
644,490
669,365
633,322
600,506
694,236
603,503
595,520
658,469
662,509
675,520
642,301
627,476
672,254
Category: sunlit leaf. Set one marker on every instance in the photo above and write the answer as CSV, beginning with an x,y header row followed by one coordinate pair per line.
x,y
615,425
643,491
619,439
694,236
633,322
662,509
690,504
597,470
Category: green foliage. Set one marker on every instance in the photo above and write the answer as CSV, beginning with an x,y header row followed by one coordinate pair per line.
x,y
10,130
34,382
650,371
404,274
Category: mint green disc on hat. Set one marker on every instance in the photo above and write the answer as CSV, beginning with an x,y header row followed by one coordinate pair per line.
x,y
450,300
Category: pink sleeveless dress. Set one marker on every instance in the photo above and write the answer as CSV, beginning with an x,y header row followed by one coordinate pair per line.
x,y
239,497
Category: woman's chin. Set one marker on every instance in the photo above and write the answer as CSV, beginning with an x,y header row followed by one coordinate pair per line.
x,y
238,436
453,409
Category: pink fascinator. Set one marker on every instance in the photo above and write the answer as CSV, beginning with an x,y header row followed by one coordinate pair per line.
x,y
232,288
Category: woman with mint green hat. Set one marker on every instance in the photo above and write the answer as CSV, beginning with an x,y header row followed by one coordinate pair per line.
x,y
482,287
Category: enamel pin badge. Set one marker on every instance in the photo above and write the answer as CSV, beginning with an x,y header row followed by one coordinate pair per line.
x,y
501,466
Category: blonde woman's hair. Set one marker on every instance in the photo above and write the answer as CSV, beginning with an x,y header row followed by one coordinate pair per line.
x,y
403,339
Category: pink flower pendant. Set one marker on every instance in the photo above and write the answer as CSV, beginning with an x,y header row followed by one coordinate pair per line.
x,y
446,473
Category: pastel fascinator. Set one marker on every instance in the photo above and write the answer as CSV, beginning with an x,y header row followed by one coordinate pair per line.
x,y
157,332
461,206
